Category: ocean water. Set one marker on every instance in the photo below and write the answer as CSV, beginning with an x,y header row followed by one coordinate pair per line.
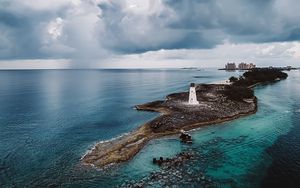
x,y
50,118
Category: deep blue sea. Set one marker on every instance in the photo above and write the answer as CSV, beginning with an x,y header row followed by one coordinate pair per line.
x,y
50,118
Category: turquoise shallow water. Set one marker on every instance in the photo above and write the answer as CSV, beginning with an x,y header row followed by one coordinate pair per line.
x,y
243,144
48,120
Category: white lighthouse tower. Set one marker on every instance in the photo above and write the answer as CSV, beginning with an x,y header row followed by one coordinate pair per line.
x,y
192,95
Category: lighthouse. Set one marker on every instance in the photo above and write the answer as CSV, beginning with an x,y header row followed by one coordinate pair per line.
x,y
192,95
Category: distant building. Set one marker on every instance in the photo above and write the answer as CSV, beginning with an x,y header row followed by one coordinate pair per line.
x,y
246,66
230,66
192,95
252,66
243,66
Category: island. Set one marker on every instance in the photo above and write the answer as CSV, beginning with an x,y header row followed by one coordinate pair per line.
x,y
217,103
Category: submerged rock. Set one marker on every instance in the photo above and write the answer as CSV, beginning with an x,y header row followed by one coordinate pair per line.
x,y
217,103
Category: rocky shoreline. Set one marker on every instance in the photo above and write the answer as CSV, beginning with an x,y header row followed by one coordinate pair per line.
x,y
189,167
217,103
177,169
176,115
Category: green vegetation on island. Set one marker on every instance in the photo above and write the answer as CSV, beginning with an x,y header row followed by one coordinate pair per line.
x,y
258,75
240,88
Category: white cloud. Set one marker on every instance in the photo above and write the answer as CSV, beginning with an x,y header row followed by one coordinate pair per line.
x,y
216,57
295,50
266,54
267,50
55,28
42,5
211,32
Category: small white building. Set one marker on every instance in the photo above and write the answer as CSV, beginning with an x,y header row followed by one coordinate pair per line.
x,y
192,95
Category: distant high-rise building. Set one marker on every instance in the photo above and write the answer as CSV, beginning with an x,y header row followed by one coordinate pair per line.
x,y
243,66
246,66
252,66
230,66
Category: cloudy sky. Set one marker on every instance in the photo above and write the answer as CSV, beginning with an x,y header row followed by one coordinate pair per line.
x,y
148,33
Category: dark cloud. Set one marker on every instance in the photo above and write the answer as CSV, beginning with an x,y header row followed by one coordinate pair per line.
x,y
22,32
96,26
20,35
202,24
232,17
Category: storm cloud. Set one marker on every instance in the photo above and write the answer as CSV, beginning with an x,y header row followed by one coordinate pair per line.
x,y
98,28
